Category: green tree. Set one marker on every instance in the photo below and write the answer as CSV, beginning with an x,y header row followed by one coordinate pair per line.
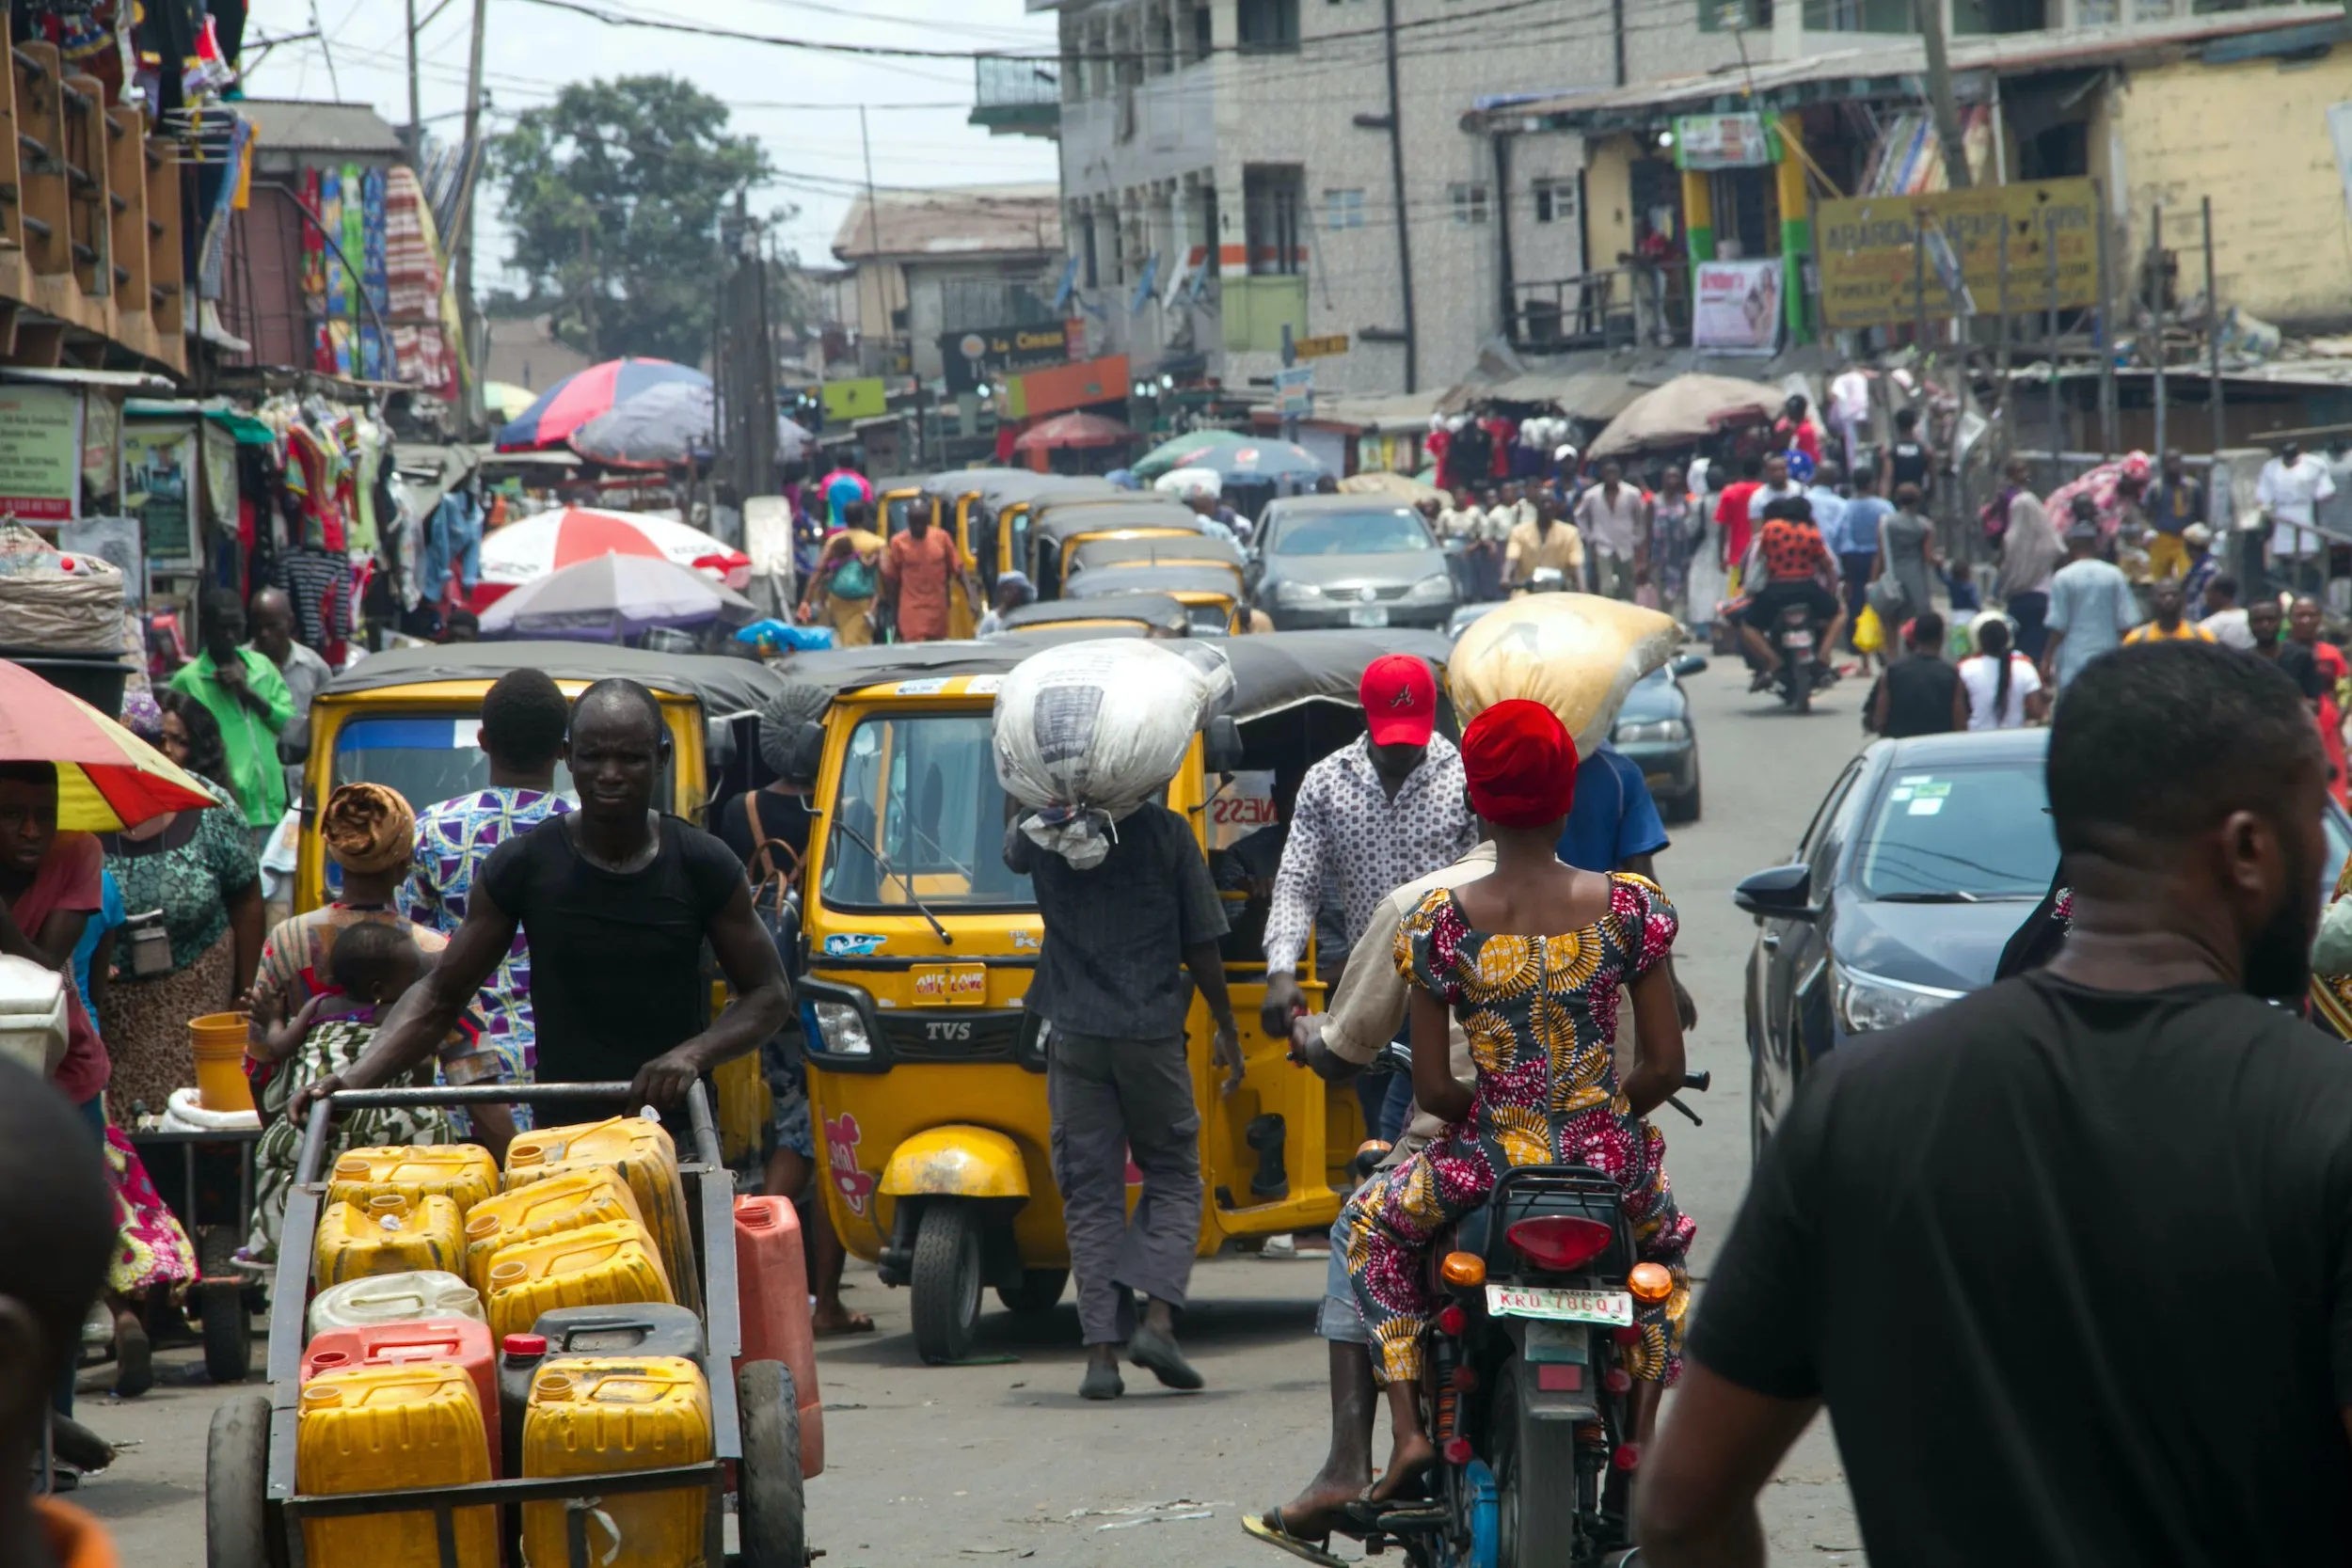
x,y
613,195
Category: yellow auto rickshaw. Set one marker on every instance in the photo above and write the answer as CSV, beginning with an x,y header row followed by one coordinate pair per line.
x,y
1000,532
925,1074
1209,547
1143,614
411,719
1210,593
1057,526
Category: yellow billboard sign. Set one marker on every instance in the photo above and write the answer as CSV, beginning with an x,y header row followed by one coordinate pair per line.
x,y
1869,271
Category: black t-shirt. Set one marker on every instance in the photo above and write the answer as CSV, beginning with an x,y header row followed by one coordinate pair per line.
x,y
784,817
2302,667
1920,696
616,970
2073,1271
1908,463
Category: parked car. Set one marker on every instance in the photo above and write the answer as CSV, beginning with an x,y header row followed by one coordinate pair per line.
x,y
1653,726
1347,560
1922,860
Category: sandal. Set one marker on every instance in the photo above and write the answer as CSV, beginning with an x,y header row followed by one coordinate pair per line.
x,y
1269,1528
134,1363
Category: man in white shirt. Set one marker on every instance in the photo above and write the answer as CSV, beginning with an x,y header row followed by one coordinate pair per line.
x,y
1777,486
2291,485
1849,407
1610,516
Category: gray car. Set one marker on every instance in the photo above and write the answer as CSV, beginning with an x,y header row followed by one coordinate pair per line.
x,y
1347,560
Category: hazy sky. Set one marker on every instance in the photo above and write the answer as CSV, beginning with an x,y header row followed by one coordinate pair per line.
x,y
801,103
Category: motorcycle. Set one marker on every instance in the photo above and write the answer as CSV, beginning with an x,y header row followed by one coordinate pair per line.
x,y
1798,673
1525,1392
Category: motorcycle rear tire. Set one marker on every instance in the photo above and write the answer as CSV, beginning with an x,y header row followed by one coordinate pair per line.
x,y
1535,1463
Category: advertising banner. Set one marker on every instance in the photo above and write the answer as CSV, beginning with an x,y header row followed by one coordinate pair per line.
x,y
1723,141
1870,274
41,452
986,356
1735,307
159,489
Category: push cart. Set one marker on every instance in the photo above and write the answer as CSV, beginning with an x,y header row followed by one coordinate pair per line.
x,y
254,1512
205,1177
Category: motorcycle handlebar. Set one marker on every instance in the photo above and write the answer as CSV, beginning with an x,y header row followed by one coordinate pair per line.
x,y
1699,1081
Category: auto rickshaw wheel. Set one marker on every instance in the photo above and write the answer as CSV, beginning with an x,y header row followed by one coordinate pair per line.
x,y
947,1281
1040,1291
236,1466
772,1511
227,1332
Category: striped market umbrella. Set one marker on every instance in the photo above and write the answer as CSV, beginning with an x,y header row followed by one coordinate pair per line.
x,y
1074,430
1183,451
614,596
578,397
529,551
108,779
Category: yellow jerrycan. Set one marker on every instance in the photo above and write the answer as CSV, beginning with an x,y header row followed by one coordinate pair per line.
x,y
385,1429
593,1415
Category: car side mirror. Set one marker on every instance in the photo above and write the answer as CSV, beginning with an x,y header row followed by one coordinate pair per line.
x,y
808,750
1220,745
1689,664
1786,890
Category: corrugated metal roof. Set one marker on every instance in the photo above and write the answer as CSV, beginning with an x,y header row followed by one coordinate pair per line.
x,y
969,220
295,125
1767,85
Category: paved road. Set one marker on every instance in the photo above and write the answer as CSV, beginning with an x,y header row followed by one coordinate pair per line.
x,y
1003,1463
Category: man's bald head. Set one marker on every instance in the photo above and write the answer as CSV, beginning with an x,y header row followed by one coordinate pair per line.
x,y
57,1233
270,616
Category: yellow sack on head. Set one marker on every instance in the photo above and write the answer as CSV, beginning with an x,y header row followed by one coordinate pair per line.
x,y
1577,654
1869,633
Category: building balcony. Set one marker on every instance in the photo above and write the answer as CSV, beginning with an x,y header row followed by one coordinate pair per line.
x,y
1255,310
1016,96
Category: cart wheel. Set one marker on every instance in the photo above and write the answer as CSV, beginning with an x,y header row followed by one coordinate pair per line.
x,y
1040,1291
237,1461
771,1510
227,1332
947,1281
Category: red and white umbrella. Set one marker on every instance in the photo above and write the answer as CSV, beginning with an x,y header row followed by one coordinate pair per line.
x,y
530,550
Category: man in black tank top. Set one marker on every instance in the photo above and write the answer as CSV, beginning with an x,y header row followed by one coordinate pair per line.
x,y
1909,459
616,900
1921,694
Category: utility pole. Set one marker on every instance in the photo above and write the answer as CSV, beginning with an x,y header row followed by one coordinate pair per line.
x,y
2213,384
1396,181
1930,16
471,171
2156,317
416,110
873,231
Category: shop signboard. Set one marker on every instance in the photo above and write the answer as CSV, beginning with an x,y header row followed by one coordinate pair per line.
x,y
1736,305
1870,274
41,452
1325,347
159,489
1294,391
984,356
1066,386
1724,141
861,398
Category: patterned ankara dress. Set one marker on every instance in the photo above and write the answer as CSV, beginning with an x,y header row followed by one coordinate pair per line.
x,y
1540,1016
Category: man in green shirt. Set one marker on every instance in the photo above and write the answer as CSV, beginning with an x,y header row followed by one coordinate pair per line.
x,y
249,697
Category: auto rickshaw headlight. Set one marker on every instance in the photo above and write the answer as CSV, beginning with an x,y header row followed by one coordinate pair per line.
x,y
841,1029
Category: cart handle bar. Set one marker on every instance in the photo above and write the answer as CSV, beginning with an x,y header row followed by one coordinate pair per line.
x,y
321,1114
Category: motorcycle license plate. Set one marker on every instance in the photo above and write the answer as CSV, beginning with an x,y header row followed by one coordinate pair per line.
x,y
1801,640
1614,1307
951,985
1367,615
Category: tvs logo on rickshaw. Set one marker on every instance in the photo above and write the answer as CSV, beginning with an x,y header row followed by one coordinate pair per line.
x,y
855,1186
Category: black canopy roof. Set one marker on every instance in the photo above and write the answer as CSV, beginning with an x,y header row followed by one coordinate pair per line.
x,y
1209,544
725,687
1095,588
1145,608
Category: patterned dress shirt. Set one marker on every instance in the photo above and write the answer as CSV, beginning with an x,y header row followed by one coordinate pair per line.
x,y
453,839
1347,834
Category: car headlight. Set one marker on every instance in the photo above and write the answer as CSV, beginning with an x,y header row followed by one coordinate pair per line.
x,y
1866,1003
1437,588
841,1029
1298,592
1650,732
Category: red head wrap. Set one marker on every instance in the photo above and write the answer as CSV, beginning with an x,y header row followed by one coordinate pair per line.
x,y
1520,763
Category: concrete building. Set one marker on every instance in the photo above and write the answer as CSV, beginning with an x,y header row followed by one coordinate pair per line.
x,y
2163,101
933,262
1230,167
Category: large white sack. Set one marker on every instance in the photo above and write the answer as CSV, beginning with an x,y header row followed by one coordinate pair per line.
x,y
1190,483
1088,732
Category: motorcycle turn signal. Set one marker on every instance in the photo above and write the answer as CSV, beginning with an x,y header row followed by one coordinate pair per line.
x,y
1650,1282
1463,1270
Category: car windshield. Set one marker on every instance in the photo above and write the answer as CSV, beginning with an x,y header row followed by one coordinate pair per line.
x,y
1209,620
895,509
1972,833
1351,533
427,759
920,792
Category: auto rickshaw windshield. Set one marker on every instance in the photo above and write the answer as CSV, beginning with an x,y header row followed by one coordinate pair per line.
x,y
427,758
918,818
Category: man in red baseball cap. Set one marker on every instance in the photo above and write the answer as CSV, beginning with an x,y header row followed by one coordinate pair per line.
x,y
1371,816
